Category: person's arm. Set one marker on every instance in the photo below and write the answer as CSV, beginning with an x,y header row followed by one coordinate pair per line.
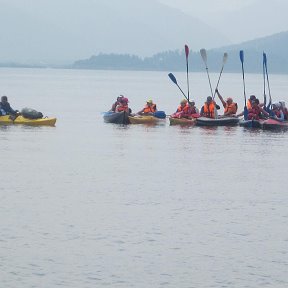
x,y
202,111
221,99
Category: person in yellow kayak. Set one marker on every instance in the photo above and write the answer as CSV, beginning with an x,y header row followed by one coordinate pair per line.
x,y
5,108
149,109
209,109
230,107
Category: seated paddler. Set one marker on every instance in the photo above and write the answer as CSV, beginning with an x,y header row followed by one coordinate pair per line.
x,y
230,107
209,109
149,109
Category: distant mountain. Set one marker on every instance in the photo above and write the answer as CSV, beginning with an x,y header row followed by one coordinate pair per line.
x,y
274,46
53,32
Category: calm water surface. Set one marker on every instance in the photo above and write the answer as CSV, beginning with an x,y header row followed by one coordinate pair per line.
x,y
89,204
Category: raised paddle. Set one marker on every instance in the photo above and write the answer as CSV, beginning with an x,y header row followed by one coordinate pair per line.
x,y
187,54
204,57
173,79
225,56
264,91
245,105
267,78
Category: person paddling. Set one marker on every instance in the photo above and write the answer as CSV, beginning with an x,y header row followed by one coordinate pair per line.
x,y
256,112
149,109
209,108
230,107
5,108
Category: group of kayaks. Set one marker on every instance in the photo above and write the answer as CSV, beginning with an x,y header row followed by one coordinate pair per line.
x,y
124,118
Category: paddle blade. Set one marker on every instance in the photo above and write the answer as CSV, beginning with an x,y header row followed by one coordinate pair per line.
x,y
203,55
264,59
242,56
225,57
173,79
186,51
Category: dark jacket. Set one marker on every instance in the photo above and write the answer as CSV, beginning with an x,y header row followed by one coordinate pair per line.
x,y
5,109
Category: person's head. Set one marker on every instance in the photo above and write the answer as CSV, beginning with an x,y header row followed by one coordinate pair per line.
x,y
229,100
209,99
119,98
124,101
183,102
4,99
149,102
255,102
192,103
282,104
252,97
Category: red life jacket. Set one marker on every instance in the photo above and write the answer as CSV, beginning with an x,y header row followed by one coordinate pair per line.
x,y
121,108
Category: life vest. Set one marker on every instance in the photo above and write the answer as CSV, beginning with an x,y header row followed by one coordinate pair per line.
x,y
232,108
277,113
150,109
121,108
254,113
208,110
249,104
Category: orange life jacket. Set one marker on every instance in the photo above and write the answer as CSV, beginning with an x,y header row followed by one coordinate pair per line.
x,y
232,108
150,109
249,104
209,110
121,108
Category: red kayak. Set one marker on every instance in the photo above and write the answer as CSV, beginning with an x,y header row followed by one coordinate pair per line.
x,y
273,124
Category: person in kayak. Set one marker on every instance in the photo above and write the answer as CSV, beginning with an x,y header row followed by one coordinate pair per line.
x,y
123,105
117,102
284,110
276,112
249,101
149,109
5,108
230,107
256,112
209,109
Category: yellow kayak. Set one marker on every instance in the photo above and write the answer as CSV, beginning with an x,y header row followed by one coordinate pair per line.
x,y
22,120
139,119
182,121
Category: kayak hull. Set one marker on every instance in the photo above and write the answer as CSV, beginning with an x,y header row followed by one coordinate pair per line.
x,y
182,121
227,121
272,124
251,123
145,120
32,122
116,117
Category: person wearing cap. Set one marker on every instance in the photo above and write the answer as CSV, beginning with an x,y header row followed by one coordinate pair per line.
x,y
209,109
149,109
117,102
230,107
123,105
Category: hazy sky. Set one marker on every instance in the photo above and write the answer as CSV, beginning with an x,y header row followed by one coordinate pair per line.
x,y
67,30
239,20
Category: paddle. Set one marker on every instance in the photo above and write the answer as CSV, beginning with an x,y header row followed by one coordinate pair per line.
x,y
245,105
266,70
204,57
173,79
264,60
187,53
225,56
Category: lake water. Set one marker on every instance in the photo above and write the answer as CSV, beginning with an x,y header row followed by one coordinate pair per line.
x,y
89,204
